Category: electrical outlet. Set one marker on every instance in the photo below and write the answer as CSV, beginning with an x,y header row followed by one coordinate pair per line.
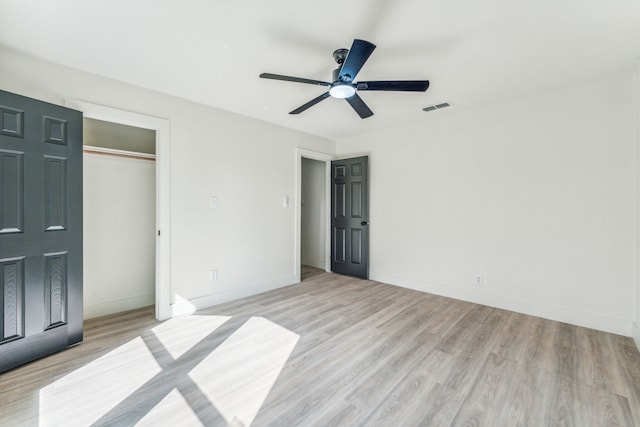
x,y
479,280
213,275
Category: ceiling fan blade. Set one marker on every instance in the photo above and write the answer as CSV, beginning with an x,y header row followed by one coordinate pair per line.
x,y
358,55
361,108
293,79
397,85
310,104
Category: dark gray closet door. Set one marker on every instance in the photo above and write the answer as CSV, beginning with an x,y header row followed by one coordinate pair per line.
x,y
40,229
350,217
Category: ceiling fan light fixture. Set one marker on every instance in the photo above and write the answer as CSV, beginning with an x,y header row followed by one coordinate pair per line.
x,y
342,90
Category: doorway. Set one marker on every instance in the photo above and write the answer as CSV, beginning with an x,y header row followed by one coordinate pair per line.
x,y
313,214
313,236
119,217
164,307
313,218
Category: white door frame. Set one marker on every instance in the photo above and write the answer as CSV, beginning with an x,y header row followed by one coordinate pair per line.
x,y
326,158
163,206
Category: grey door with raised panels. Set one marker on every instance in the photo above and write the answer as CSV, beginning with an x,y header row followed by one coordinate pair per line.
x,y
350,217
40,229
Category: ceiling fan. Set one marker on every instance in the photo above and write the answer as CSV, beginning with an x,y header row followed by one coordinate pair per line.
x,y
350,61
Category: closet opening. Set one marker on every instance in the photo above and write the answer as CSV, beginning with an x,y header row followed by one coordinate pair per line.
x,y
119,189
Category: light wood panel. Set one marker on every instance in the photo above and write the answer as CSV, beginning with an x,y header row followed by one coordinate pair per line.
x,y
360,353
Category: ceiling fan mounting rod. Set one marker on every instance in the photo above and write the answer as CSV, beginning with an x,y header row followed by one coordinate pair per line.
x,y
340,55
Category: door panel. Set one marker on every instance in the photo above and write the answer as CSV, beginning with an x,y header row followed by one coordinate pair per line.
x,y
349,221
339,201
55,193
356,199
338,254
55,290
356,246
12,289
11,191
40,229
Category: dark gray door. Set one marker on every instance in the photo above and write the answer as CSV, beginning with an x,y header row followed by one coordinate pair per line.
x,y
350,217
40,229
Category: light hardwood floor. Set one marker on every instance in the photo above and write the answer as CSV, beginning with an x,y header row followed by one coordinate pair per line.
x,y
332,351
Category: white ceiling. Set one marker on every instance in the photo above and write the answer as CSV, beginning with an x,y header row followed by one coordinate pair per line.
x,y
474,52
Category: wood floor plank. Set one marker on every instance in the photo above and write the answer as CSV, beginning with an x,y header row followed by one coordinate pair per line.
x,y
453,385
332,351
344,415
627,361
487,396
407,400
565,408
604,408
527,395
340,369
368,391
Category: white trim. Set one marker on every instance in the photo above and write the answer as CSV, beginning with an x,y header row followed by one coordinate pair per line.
x,y
112,151
533,308
117,306
163,186
353,156
317,263
326,158
184,306
636,131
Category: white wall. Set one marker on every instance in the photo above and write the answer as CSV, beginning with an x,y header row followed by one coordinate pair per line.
x,y
313,214
537,195
248,164
119,234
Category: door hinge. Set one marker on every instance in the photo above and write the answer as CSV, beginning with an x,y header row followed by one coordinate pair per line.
x,y
158,232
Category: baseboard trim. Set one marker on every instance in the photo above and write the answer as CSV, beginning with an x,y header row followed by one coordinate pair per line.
x,y
118,305
636,334
317,263
189,306
533,308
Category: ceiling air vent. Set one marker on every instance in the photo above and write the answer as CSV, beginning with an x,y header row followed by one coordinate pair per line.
x,y
436,107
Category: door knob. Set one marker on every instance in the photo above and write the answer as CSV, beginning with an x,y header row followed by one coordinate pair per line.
x,y
364,223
